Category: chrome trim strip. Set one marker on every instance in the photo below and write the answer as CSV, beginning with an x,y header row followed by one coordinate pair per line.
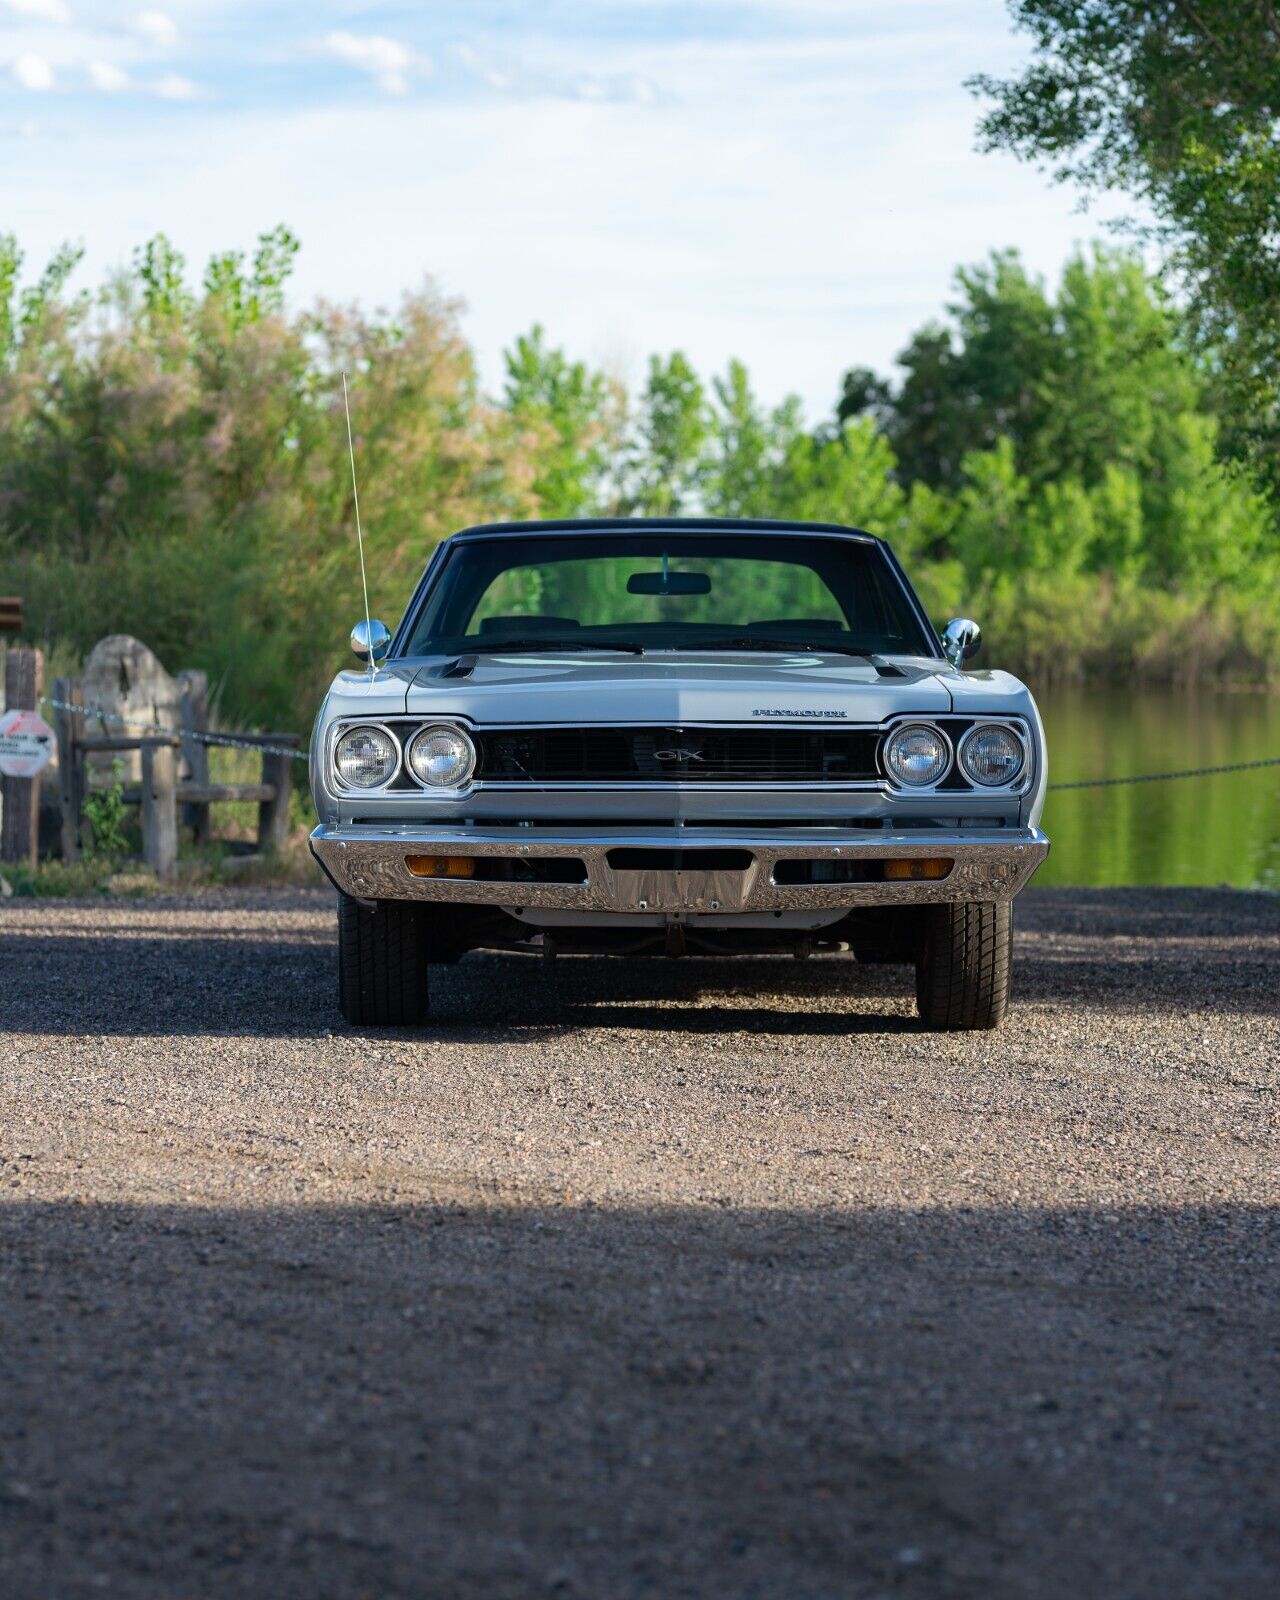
x,y
369,863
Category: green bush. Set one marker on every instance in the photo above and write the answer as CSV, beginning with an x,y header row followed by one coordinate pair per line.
x,y
174,464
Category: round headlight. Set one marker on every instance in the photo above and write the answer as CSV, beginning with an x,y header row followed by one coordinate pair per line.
x,y
916,755
992,756
365,757
442,758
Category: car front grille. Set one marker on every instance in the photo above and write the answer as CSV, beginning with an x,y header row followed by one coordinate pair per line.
x,y
658,755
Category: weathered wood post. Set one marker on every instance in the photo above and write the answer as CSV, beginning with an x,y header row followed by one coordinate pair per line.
x,y
20,797
160,805
195,718
273,815
68,724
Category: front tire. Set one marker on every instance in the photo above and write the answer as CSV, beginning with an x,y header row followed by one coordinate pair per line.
x,y
964,963
382,963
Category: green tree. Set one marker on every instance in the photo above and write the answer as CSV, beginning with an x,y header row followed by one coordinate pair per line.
x,y
750,442
965,390
864,393
1120,372
564,406
1178,103
846,478
160,269
673,432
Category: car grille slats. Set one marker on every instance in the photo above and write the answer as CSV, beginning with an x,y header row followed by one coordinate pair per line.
x,y
661,755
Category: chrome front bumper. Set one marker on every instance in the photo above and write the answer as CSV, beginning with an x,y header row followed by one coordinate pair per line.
x,y
369,864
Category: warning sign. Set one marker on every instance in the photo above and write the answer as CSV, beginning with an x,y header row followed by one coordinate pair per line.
x,y
26,744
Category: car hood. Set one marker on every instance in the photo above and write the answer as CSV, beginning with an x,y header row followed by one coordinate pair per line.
x,y
674,689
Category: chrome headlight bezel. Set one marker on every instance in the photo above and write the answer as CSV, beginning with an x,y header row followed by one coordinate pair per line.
x,y
454,731
989,725
913,725
345,732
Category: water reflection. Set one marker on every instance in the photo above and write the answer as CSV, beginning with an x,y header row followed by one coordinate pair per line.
x,y
1220,830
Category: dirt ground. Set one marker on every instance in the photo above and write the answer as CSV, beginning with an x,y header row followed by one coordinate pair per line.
x,y
638,1279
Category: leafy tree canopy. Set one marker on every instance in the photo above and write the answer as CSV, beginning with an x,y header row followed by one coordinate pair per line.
x,y
1178,102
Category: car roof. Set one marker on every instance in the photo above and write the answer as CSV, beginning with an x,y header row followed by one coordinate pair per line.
x,y
586,525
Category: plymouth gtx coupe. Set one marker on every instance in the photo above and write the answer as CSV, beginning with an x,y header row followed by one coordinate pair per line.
x,y
674,737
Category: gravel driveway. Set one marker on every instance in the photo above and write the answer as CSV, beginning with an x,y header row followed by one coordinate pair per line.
x,y
638,1279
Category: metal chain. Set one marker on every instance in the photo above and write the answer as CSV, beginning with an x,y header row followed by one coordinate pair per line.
x,y
1161,777
228,739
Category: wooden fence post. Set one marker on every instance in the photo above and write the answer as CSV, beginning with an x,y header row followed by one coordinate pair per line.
x,y
20,797
160,806
69,727
195,717
273,815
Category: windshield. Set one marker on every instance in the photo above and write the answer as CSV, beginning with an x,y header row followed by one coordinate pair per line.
x,y
668,591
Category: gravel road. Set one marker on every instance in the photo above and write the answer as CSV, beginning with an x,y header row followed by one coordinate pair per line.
x,y
638,1279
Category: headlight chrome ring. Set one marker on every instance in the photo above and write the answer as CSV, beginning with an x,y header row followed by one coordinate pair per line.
x,y
993,755
917,755
442,757
366,757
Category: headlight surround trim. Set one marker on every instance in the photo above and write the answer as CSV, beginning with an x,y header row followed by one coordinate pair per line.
x,y
446,730
379,730
916,725
1011,732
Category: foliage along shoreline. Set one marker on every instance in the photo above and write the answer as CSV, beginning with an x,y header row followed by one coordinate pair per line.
x,y
173,464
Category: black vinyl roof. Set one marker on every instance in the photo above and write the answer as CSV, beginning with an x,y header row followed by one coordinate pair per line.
x,y
489,530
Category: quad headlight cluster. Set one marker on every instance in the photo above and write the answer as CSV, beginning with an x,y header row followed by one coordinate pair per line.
x,y
918,755
439,756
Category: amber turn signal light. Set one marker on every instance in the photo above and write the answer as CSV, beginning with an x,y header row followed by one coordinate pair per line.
x,y
441,866
912,867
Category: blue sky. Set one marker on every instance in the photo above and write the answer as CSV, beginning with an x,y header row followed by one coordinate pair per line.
x,y
791,181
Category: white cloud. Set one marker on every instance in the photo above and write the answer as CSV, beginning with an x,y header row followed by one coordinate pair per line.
x,y
173,86
798,202
597,89
33,72
109,79
388,62
41,10
157,28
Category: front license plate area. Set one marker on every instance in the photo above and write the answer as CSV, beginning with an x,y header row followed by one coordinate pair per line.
x,y
680,891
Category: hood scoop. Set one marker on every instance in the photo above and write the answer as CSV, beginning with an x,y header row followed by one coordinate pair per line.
x,y
463,667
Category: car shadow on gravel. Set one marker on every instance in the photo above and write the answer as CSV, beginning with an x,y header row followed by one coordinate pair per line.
x,y
284,986
151,971
471,1400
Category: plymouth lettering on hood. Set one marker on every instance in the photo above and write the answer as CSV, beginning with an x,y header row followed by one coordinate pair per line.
x,y
765,711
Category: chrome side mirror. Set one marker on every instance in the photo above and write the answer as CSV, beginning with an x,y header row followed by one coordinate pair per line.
x,y
370,641
960,640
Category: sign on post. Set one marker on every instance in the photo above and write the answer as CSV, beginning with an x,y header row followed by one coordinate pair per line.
x,y
26,744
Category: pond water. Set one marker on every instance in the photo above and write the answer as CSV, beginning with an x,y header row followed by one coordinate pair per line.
x,y
1219,830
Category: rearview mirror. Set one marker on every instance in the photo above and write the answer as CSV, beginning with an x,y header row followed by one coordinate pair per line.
x,y
669,583
960,640
370,641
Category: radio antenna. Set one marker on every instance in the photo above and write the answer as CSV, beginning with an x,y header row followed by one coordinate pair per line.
x,y
355,495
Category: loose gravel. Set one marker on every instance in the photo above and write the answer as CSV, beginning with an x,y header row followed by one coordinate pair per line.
x,y
638,1279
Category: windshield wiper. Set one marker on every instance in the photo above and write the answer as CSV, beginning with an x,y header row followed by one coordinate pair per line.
x,y
885,669
524,646
781,646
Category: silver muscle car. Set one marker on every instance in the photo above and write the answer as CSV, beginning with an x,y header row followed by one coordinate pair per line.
x,y
675,737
